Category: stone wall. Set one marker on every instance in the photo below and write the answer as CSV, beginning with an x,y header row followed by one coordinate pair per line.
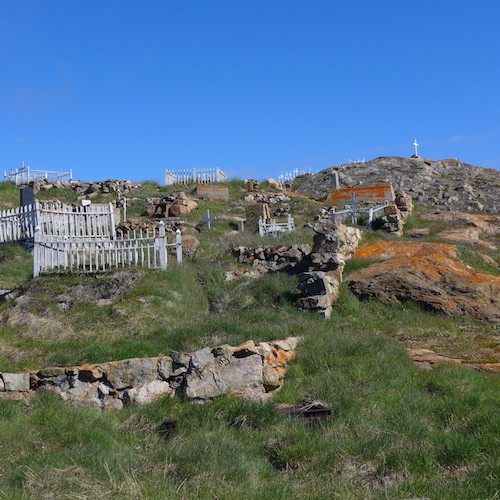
x,y
88,189
250,371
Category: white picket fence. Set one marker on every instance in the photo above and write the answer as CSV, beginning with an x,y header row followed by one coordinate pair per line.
x,y
91,221
274,228
91,255
26,174
58,219
197,175
18,223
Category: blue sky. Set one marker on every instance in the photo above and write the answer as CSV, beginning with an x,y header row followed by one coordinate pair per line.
x,y
125,89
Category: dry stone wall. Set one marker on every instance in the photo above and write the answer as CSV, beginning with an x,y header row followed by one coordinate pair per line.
x,y
250,371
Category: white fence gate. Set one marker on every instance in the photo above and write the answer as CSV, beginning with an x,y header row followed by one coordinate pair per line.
x,y
198,175
274,228
26,174
148,249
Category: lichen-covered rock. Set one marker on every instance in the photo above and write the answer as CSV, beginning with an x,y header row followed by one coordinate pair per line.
x,y
429,274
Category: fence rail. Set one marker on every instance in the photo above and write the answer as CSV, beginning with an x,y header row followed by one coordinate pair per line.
x,y
198,175
274,228
92,255
26,174
352,213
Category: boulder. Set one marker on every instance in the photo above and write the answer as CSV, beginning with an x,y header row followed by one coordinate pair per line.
x,y
131,372
429,274
16,382
147,392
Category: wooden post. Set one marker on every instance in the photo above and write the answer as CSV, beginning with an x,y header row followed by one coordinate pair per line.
x,y
36,252
124,209
261,227
178,241
162,247
370,217
290,223
111,221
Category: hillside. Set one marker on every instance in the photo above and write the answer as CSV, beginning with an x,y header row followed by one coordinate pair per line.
x,y
396,430
444,184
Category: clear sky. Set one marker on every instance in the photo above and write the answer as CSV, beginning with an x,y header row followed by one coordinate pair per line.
x,y
125,89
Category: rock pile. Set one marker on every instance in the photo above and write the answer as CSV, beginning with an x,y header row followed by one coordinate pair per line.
x,y
396,214
250,371
171,206
271,198
88,189
334,244
271,259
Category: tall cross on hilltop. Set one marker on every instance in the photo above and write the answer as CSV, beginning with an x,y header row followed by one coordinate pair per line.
x,y
415,143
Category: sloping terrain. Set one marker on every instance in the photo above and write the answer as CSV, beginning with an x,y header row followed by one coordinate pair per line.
x,y
448,184
395,431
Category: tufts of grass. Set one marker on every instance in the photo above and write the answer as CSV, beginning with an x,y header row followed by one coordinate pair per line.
x,y
16,265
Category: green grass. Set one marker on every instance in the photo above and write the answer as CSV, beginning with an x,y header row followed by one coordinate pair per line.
x,y
9,195
474,260
16,266
395,431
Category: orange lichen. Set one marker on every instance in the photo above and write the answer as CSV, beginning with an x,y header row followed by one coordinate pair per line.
x,y
366,193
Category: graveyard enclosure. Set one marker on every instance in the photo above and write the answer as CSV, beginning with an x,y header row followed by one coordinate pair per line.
x,y
377,194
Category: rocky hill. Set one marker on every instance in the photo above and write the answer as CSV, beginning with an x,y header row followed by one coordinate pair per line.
x,y
446,184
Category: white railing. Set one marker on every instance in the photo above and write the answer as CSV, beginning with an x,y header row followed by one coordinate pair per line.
x,y
18,223
147,249
375,213
197,175
352,213
274,228
26,174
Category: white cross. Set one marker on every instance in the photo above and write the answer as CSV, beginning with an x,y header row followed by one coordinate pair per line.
x,y
416,147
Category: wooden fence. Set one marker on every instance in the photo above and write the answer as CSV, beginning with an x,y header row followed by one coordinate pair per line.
x,y
26,174
274,228
91,221
373,213
197,175
147,249
18,223
58,219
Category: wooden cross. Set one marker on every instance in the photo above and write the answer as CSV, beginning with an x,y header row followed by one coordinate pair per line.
x,y
208,220
416,147
354,203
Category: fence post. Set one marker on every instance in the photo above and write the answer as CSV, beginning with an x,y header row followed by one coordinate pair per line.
x,y
261,227
112,220
162,247
178,242
290,223
370,217
36,252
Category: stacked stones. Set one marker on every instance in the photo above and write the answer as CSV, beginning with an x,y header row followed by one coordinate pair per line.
x,y
271,198
271,259
130,226
248,371
334,243
171,206
395,214
88,189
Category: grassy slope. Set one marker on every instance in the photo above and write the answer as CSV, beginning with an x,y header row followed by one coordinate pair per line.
x,y
396,431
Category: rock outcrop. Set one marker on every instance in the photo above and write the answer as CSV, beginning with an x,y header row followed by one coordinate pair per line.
x,y
250,371
446,184
429,274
